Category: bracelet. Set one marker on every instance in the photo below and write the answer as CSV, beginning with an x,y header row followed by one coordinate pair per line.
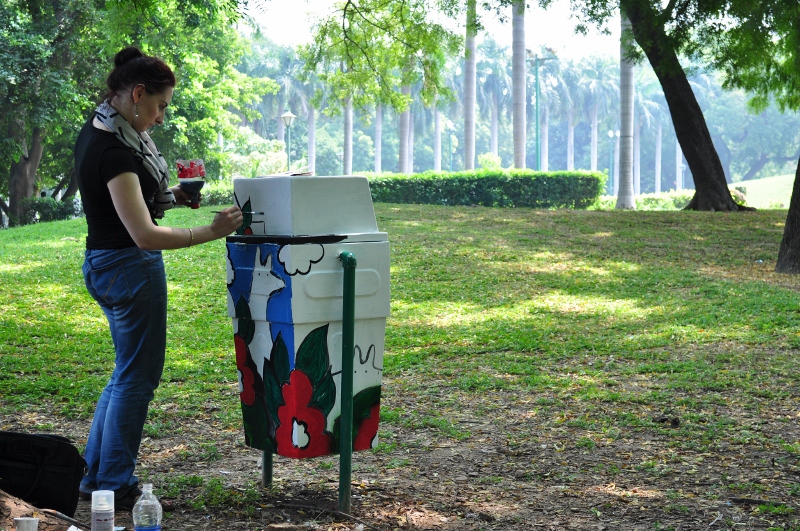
x,y
191,237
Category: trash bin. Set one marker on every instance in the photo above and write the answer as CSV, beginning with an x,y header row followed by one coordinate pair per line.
x,y
285,299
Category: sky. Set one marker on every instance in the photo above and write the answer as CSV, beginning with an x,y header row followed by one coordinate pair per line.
x,y
288,22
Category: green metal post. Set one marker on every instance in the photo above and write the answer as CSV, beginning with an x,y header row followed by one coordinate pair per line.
x,y
266,469
348,349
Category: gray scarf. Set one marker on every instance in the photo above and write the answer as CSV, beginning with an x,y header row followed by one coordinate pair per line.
x,y
145,151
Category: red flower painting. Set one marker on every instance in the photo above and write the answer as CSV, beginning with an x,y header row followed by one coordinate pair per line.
x,y
302,427
368,429
248,393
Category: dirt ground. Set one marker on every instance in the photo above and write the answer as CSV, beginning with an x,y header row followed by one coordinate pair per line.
x,y
512,467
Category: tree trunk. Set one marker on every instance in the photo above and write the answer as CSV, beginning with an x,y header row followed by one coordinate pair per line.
x,y
726,156
594,138
658,159
616,165
637,158
495,123
756,167
281,133
470,64
437,140
378,141
312,141
789,252
348,137
570,141
518,85
678,166
625,198
410,163
690,126
544,163
403,133
22,176
65,180
12,507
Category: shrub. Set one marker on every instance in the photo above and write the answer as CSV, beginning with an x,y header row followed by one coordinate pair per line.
x,y
672,200
38,209
218,193
491,188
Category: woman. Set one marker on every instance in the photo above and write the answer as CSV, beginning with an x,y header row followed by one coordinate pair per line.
x,y
123,180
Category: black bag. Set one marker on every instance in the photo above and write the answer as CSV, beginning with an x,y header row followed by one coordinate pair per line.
x,y
43,470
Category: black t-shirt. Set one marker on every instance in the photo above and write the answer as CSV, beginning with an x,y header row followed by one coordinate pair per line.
x,y
99,157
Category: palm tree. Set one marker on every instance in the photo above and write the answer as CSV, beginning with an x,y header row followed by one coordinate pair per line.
x,y
470,63
519,73
626,198
646,110
437,139
600,86
554,100
494,84
452,107
571,102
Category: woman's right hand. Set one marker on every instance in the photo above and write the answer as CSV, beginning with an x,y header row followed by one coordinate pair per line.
x,y
227,221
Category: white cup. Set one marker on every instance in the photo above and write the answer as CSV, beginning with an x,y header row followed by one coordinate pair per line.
x,y
26,524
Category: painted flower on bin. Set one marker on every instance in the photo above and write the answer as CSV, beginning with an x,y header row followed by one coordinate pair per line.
x,y
368,429
247,393
301,432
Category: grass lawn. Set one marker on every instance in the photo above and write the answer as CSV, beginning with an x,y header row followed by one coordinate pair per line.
x,y
596,325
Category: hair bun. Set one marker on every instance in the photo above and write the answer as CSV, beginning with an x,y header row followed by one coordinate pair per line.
x,y
127,54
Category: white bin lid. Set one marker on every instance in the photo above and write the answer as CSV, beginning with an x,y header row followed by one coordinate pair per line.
x,y
300,205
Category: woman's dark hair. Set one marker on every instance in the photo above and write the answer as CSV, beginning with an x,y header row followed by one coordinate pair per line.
x,y
132,67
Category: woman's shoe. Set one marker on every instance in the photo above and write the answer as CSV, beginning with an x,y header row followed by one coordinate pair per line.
x,y
126,502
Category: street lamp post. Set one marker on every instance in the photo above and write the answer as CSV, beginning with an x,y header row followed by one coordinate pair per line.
x,y
288,118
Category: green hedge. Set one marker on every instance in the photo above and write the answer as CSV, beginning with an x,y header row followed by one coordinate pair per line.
x,y
40,209
491,188
217,193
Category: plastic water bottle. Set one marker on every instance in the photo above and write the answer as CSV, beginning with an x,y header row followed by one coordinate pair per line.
x,y
147,511
103,510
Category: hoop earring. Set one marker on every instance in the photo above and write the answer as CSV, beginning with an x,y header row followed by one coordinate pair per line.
x,y
136,110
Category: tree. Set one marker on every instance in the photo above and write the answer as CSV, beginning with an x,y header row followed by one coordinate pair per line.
x,y
760,52
377,46
519,74
599,84
470,65
44,70
625,198
662,32
572,104
494,84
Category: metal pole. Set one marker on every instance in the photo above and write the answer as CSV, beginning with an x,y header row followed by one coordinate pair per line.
x,y
266,469
538,154
348,349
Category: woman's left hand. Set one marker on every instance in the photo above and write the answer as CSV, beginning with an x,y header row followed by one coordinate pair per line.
x,y
181,197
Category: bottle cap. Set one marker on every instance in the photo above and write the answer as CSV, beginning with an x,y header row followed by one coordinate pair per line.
x,y
103,500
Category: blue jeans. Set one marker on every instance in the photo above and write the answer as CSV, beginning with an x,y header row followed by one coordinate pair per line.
x,y
131,287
